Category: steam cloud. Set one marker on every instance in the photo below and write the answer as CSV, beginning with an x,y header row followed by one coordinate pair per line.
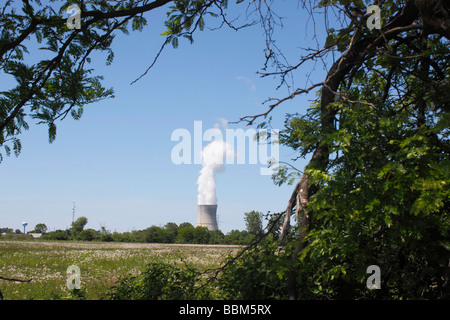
x,y
213,159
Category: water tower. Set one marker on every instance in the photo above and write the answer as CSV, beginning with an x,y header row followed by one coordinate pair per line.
x,y
24,225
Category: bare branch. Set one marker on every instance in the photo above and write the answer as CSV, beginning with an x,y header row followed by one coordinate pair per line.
x,y
152,64
15,280
251,119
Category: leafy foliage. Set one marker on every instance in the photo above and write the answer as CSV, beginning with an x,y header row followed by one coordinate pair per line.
x,y
170,233
258,274
161,281
253,223
60,83
384,196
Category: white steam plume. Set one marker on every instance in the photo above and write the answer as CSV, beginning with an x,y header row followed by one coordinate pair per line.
x,y
213,159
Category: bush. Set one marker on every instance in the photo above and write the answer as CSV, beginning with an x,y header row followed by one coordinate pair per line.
x,y
161,281
259,274
87,235
190,234
56,235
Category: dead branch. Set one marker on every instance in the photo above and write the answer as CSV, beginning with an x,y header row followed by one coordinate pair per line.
x,y
15,280
251,119
216,271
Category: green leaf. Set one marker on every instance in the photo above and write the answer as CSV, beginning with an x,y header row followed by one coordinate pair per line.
x,y
51,132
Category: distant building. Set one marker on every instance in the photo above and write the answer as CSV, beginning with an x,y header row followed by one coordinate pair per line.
x,y
4,234
36,235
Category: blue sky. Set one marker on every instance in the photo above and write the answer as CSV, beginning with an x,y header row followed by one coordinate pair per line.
x,y
115,162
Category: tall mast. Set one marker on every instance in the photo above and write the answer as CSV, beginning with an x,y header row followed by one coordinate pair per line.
x,y
73,212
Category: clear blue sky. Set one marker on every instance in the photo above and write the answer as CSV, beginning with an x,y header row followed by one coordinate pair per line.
x,y
115,163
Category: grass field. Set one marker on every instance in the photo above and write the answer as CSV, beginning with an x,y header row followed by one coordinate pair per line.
x,y
101,264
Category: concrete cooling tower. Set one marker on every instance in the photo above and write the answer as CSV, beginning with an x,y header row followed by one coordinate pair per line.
x,y
207,216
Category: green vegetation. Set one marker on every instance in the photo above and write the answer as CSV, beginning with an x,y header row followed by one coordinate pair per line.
x,y
62,82
170,233
101,265
375,191
162,281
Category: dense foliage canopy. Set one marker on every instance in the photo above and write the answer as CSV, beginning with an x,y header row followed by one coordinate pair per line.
x,y
376,190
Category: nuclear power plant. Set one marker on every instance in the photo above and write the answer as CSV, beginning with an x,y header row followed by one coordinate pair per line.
x,y
207,216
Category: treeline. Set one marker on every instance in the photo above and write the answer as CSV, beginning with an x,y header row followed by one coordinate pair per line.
x,y
171,233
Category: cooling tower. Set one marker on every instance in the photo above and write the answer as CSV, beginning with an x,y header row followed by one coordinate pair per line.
x,y
207,216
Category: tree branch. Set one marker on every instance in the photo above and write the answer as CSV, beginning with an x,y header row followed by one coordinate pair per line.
x,y
15,280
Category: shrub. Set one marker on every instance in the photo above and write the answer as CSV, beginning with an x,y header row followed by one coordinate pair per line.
x,y
87,235
56,235
259,274
161,281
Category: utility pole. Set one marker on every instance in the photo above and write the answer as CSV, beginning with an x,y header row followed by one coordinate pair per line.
x,y
73,212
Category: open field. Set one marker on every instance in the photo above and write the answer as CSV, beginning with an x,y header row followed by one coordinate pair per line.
x,y
101,264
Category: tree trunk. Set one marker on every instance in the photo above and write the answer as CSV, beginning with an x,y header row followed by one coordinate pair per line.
x,y
352,59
